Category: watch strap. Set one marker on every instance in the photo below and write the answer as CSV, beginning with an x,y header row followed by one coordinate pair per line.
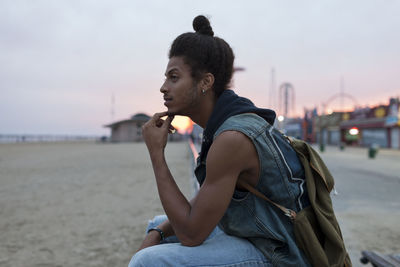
x,y
159,231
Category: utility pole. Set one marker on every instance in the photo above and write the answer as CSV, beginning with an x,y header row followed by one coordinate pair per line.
x,y
112,113
286,99
341,93
271,101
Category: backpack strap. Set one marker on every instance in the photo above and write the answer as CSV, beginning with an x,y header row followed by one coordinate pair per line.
x,y
288,212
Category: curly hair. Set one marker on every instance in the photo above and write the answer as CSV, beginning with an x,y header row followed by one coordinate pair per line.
x,y
204,52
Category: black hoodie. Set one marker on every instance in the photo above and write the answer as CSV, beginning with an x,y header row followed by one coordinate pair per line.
x,y
230,104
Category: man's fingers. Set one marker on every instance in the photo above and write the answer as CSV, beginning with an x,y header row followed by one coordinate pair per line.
x,y
171,129
159,122
156,119
157,116
167,122
160,114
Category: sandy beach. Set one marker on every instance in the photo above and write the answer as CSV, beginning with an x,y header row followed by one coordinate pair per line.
x,y
79,204
87,204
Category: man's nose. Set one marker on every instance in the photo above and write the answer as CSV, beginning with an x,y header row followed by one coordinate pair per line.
x,y
163,88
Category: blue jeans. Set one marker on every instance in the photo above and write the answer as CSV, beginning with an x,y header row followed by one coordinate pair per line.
x,y
219,249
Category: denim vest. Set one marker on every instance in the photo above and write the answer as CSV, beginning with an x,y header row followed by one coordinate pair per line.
x,y
281,179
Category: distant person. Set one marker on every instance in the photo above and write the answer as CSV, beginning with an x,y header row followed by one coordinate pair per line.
x,y
223,225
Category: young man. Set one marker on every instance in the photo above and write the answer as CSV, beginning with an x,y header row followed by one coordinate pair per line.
x,y
223,225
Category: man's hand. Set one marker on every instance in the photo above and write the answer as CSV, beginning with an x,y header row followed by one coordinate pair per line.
x,y
155,132
152,238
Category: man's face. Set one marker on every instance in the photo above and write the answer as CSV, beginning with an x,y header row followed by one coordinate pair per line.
x,y
180,90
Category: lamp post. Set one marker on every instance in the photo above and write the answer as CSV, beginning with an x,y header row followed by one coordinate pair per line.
x,y
321,139
281,120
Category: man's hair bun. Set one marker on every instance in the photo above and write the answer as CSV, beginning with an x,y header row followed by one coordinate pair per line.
x,y
202,25
205,53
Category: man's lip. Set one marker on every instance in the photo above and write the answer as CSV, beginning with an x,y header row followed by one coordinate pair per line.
x,y
167,101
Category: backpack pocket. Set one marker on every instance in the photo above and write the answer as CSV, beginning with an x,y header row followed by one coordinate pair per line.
x,y
309,237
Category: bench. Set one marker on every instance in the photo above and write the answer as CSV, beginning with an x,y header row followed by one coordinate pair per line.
x,y
380,260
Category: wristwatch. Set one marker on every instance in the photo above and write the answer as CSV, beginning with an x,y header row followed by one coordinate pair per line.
x,y
159,231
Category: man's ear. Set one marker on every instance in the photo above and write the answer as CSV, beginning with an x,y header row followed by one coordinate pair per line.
x,y
208,81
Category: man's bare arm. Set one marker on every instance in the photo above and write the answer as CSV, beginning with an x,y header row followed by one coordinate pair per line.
x,y
153,238
227,158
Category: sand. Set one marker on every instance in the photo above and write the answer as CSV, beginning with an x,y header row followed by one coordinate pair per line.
x,y
87,204
79,204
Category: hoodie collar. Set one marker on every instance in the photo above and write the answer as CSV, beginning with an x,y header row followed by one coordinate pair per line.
x,y
230,104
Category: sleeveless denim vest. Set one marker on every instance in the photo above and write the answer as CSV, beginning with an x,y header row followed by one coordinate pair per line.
x,y
281,179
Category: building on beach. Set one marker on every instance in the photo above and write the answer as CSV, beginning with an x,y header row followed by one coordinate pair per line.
x,y
327,128
129,130
293,127
378,125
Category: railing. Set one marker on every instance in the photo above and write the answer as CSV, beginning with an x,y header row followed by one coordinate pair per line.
x,y
194,154
32,138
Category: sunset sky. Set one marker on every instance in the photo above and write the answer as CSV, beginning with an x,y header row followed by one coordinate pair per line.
x,y
61,61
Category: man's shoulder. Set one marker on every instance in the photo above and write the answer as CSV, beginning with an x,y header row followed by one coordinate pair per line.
x,y
246,123
245,117
231,152
231,144
231,138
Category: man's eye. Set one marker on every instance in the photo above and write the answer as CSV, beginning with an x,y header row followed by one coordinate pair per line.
x,y
173,78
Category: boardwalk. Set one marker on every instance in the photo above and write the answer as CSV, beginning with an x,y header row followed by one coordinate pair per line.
x,y
368,200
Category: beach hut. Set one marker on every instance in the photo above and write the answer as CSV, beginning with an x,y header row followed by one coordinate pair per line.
x,y
129,130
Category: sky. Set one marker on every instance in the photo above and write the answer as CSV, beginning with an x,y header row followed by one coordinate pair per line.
x,y
62,62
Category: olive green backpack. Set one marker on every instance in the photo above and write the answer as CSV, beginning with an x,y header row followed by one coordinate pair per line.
x,y
316,229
